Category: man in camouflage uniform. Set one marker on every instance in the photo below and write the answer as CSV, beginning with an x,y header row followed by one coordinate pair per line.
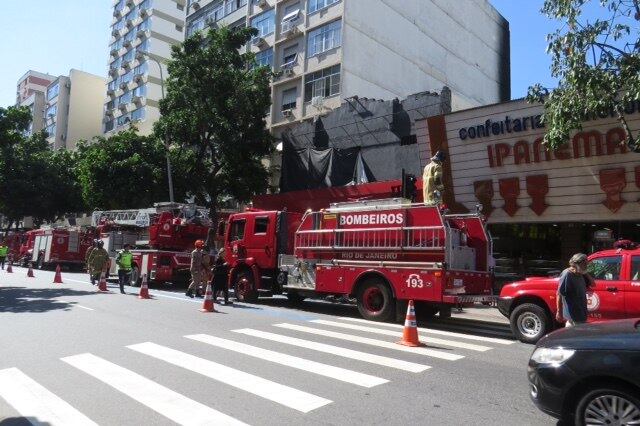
x,y
432,184
98,261
197,269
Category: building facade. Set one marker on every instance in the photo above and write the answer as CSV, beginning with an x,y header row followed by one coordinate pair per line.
x,y
142,33
325,51
30,93
542,206
73,109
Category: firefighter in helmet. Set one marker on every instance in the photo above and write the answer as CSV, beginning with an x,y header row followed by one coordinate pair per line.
x,y
432,183
197,269
98,261
87,255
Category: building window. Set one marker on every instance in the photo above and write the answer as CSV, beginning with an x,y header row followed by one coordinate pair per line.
x,y
53,91
51,130
144,25
141,69
124,119
126,78
108,126
138,114
289,55
129,55
140,91
315,5
322,83
51,112
325,38
265,58
125,98
146,4
289,97
264,23
143,47
261,225
233,5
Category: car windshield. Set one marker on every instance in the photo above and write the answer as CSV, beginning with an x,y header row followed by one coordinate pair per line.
x,y
605,268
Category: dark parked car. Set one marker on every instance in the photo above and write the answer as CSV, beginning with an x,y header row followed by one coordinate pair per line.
x,y
589,374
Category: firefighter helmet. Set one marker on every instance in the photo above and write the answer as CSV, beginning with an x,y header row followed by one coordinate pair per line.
x,y
199,244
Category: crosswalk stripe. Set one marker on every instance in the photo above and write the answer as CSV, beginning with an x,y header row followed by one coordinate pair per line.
x,y
321,369
276,392
37,403
372,342
337,350
439,332
164,401
431,340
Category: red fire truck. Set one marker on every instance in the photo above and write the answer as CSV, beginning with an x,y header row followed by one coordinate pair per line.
x,y
380,252
162,237
56,246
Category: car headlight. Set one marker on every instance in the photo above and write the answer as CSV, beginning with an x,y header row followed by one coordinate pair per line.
x,y
551,355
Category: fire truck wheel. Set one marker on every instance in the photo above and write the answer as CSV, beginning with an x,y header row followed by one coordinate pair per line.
x,y
244,288
375,300
295,297
135,276
529,322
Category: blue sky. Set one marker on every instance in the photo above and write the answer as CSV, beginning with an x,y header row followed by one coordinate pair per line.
x,y
54,36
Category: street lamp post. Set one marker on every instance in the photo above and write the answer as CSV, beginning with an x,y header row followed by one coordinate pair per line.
x,y
166,141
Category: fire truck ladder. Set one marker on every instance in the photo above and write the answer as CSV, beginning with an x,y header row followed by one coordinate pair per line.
x,y
135,217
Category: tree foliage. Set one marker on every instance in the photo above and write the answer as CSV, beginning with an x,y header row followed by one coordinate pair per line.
x,y
127,170
597,63
215,107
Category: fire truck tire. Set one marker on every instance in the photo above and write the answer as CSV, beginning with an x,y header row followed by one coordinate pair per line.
x,y
375,300
40,262
295,297
529,322
135,276
244,288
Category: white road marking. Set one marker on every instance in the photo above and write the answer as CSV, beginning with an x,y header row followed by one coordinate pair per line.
x,y
35,402
337,350
75,305
372,342
440,332
163,400
285,395
430,340
321,369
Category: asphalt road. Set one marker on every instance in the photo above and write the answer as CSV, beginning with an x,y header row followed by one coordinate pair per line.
x,y
71,355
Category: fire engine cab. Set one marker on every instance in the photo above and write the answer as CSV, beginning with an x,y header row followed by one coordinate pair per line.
x,y
379,252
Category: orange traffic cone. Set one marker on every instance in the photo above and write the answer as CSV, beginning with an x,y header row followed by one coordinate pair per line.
x,y
207,306
410,332
144,288
58,278
30,272
102,285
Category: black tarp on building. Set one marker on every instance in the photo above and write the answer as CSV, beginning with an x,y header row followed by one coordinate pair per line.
x,y
365,140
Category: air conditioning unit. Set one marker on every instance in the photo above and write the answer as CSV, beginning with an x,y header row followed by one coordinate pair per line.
x,y
289,28
262,3
317,102
115,32
130,23
111,91
144,12
114,51
288,72
113,71
117,13
122,107
129,3
124,85
196,5
126,43
138,78
126,64
137,99
143,34
259,42
287,113
140,56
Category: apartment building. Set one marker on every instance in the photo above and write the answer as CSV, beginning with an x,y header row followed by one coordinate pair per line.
x,y
142,33
326,51
30,92
73,109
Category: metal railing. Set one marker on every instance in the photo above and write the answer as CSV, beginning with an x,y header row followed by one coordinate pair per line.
x,y
420,238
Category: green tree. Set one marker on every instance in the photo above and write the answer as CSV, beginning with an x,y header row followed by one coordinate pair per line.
x,y
596,62
215,107
127,170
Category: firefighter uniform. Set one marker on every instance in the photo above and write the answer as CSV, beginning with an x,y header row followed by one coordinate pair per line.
x,y
197,269
4,251
87,255
432,184
98,261
125,264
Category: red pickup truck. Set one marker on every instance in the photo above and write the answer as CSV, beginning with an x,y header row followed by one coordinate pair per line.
x,y
530,305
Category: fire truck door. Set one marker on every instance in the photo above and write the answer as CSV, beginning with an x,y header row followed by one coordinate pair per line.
x,y
74,242
262,246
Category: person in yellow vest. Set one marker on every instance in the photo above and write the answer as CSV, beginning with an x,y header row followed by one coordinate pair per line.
x,y
432,183
4,251
124,260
